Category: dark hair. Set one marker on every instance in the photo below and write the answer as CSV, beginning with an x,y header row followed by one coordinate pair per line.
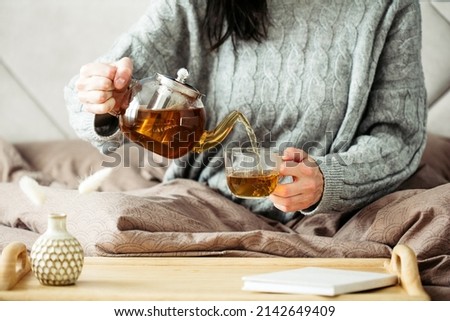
x,y
238,19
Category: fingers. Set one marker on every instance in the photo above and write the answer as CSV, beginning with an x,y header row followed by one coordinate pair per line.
x,y
95,85
107,107
305,168
123,73
94,96
307,183
294,154
98,69
94,82
292,204
102,87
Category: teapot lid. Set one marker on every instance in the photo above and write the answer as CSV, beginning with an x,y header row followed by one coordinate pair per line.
x,y
179,84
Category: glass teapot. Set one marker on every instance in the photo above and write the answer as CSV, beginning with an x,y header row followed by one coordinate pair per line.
x,y
167,117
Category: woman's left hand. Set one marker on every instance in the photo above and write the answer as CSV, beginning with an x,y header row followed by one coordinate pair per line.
x,y
307,183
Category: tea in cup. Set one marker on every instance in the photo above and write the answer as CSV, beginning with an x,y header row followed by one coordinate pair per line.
x,y
252,172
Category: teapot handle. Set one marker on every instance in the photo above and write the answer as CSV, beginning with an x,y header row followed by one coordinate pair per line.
x,y
135,86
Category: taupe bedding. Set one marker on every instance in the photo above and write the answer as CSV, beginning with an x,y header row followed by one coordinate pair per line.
x,y
135,215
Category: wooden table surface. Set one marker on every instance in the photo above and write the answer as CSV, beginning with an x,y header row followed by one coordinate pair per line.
x,y
189,279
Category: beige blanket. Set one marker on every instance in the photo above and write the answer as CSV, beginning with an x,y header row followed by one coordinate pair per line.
x,y
135,215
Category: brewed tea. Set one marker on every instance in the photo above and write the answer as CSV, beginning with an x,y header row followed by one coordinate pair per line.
x,y
169,132
253,184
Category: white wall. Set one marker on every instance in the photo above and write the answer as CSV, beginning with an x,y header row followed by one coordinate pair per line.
x,y
43,43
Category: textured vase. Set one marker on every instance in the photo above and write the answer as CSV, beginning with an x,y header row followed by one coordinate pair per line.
x,y
57,257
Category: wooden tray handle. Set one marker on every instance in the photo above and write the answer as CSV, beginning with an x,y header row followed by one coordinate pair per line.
x,y
14,265
404,263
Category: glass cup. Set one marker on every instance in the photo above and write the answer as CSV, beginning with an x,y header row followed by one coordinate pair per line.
x,y
252,172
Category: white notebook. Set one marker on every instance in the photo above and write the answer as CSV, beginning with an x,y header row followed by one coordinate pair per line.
x,y
317,280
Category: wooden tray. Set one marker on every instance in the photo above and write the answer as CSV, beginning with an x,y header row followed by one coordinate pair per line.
x,y
188,279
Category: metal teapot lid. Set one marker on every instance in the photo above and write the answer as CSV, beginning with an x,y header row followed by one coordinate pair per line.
x,y
179,84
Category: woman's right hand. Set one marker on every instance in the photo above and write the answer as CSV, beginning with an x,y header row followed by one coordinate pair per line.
x,y
104,88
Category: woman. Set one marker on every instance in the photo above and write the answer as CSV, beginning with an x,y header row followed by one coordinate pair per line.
x,y
341,83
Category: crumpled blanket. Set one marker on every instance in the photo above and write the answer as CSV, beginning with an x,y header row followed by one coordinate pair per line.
x,y
133,214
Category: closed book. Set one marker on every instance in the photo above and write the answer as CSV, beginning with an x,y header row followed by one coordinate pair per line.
x,y
318,281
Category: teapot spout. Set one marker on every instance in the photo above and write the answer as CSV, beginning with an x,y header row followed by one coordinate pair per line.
x,y
210,139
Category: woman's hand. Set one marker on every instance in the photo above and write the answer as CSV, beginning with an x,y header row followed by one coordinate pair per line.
x,y
307,186
103,88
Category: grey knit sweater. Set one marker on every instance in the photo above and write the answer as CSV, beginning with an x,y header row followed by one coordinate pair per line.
x,y
340,79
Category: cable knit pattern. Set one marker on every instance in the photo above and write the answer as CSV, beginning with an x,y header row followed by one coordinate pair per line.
x,y
341,79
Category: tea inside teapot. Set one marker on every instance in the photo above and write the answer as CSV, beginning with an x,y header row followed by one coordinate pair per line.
x,y
170,133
